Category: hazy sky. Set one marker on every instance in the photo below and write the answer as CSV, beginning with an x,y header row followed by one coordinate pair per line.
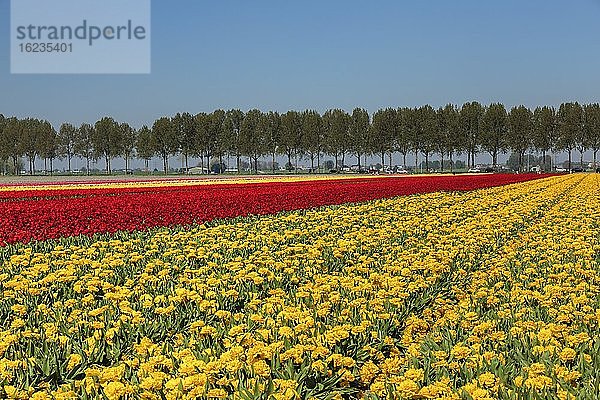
x,y
280,55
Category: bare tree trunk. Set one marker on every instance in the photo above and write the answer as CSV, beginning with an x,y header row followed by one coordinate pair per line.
x,y
520,162
543,168
416,160
296,166
318,161
289,157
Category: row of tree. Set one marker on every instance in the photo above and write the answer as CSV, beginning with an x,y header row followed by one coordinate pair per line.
x,y
422,132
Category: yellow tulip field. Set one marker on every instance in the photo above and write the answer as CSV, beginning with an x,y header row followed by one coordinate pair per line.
x,y
485,294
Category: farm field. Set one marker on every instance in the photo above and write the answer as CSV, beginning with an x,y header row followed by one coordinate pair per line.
x,y
68,209
474,287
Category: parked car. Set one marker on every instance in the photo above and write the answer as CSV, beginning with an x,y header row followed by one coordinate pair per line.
x,y
399,169
474,170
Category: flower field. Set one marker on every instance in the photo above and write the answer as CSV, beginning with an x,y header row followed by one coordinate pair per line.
x,y
50,211
441,294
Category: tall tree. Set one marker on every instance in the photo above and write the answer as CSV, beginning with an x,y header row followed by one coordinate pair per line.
x,y
493,132
67,137
219,136
383,132
84,144
412,122
4,156
164,139
31,140
271,126
312,136
570,126
427,122
449,138
185,129
337,125
233,123
471,115
11,143
129,138
49,144
205,145
144,146
291,136
404,132
520,131
107,140
360,124
544,131
591,126
581,139
253,138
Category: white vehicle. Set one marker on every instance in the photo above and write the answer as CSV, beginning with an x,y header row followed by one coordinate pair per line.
x,y
474,170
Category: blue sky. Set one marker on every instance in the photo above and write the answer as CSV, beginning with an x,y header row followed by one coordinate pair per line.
x,y
280,55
